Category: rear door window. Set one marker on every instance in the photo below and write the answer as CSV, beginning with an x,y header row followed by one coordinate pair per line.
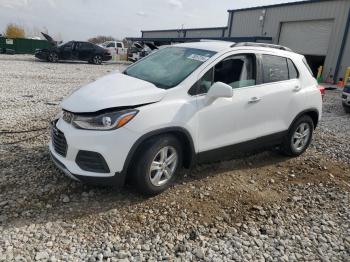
x,y
275,68
85,46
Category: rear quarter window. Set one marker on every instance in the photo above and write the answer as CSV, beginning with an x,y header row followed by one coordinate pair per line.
x,y
308,67
293,71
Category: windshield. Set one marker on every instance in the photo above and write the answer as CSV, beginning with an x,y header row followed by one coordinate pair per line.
x,y
168,67
65,43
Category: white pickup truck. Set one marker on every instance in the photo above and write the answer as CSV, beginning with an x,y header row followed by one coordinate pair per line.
x,y
117,49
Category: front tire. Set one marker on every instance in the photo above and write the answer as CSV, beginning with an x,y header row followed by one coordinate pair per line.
x,y
97,60
156,164
299,137
52,57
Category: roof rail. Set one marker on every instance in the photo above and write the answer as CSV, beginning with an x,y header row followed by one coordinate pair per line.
x,y
215,40
280,47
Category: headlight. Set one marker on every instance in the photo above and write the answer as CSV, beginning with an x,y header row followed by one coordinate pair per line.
x,y
59,115
106,121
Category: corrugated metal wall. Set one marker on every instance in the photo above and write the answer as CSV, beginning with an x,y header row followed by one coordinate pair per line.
x,y
24,46
188,33
247,22
163,34
204,33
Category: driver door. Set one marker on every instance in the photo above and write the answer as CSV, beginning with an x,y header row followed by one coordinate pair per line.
x,y
66,50
76,50
229,121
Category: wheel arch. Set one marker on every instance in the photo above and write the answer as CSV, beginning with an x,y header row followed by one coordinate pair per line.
x,y
180,133
312,112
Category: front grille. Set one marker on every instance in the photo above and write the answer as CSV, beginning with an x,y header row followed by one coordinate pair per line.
x,y
59,141
92,162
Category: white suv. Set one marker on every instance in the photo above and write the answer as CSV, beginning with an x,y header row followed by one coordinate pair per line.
x,y
185,104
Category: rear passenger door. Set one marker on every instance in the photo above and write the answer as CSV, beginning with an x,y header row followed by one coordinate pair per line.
x,y
85,51
281,92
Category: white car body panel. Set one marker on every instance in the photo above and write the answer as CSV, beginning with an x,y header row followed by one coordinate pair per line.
x,y
220,123
113,90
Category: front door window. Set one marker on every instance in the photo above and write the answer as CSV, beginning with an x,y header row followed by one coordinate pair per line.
x,y
237,71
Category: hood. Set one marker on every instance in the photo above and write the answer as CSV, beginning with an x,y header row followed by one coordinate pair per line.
x,y
113,90
49,39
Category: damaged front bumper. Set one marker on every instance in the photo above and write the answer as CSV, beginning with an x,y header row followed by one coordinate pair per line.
x,y
68,145
118,180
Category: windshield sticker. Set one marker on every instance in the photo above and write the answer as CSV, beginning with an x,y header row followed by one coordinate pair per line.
x,y
199,58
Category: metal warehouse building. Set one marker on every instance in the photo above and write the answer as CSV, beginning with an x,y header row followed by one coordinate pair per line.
x,y
318,29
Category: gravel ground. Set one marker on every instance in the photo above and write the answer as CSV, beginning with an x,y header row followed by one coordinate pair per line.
x,y
261,208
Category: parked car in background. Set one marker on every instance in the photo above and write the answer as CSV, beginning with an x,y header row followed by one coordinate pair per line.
x,y
185,104
346,98
140,49
73,50
115,47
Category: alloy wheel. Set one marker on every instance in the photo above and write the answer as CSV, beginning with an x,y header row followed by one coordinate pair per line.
x,y
97,60
301,137
53,57
163,166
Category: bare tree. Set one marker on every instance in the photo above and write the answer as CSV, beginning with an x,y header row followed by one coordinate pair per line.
x,y
100,39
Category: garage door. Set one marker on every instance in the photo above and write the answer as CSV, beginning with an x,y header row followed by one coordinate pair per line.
x,y
307,37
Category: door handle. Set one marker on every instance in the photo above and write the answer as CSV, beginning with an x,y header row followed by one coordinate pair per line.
x,y
297,88
254,100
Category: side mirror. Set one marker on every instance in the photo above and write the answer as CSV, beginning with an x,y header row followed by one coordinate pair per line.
x,y
220,89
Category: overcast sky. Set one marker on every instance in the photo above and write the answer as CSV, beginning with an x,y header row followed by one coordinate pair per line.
x,y
82,19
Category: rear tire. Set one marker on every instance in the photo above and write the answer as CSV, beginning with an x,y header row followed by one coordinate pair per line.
x,y
97,60
156,164
52,57
299,137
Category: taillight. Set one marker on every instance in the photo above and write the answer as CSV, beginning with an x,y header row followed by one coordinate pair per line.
x,y
322,90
